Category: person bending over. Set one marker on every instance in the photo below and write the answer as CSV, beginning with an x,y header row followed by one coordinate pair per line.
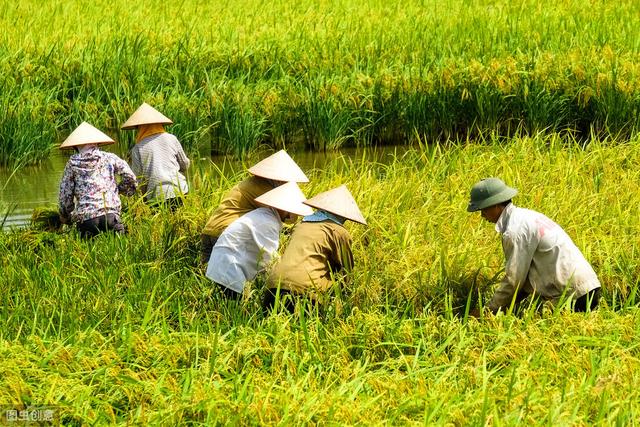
x,y
158,158
318,249
266,175
540,258
89,192
250,242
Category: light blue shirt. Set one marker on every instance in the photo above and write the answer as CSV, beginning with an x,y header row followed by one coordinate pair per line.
x,y
321,215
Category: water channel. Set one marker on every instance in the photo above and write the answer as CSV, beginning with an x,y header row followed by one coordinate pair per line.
x,y
27,188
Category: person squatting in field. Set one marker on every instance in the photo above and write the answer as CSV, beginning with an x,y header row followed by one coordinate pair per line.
x,y
158,158
267,174
540,258
247,246
89,192
319,249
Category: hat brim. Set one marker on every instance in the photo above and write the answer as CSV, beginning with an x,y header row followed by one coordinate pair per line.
x,y
145,115
69,147
287,197
279,167
86,134
506,194
137,125
338,201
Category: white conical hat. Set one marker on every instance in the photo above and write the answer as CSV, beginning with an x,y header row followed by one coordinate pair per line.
x,y
146,115
286,197
338,201
279,167
86,134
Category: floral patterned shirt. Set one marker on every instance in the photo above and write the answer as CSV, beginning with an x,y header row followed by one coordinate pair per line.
x,y
89,188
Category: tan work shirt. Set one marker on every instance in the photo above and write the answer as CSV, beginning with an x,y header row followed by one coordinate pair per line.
x,y
315,251
239,201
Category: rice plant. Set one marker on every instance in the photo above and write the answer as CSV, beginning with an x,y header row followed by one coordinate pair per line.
x,y
127,330
324,75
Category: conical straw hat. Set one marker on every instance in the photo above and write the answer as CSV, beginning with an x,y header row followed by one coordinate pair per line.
x,y
338,201
86,134
145,115
286,197
279,167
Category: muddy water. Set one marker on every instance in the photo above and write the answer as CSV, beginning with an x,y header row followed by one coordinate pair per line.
x,y
25,189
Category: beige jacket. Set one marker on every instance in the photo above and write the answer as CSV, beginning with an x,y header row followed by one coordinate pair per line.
x,y
315,251
239,201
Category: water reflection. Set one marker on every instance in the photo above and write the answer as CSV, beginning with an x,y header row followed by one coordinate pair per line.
x,y
32,187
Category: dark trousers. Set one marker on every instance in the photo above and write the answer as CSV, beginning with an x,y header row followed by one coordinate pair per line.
x,y
206,246
589,300
172,204
94,226
287,299
229,293
517,303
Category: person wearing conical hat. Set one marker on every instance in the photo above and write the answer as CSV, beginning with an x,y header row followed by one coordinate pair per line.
x,y
540,258
319,247
266,175
247,245
89,192
158,158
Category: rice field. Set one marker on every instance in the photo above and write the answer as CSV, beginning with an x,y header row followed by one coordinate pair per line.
x,y
127,330
319,74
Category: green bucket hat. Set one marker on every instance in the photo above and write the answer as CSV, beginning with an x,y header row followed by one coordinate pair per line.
x,y
489,192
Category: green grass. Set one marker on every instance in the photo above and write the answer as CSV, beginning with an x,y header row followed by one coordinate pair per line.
x,y
369,368
320,74
127,330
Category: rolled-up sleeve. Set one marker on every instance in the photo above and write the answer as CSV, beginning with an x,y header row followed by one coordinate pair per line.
x,y
65,197
518,253
128,182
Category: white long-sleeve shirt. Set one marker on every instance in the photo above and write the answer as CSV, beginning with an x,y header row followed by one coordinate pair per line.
x,y
539,258
160,159
244,248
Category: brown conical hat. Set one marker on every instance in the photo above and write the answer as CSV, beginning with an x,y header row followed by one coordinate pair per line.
x,y
279,167
86,134
286,197
146,115
338,201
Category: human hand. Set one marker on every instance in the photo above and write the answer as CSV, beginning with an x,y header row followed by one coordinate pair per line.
x,y
475,313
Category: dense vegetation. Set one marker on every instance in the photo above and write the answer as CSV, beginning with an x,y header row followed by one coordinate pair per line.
x,y
237,74
127,330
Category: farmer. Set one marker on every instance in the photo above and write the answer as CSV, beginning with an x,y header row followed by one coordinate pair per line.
x,y
90,179
540,258
158,158
247,245
318,249
268,174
